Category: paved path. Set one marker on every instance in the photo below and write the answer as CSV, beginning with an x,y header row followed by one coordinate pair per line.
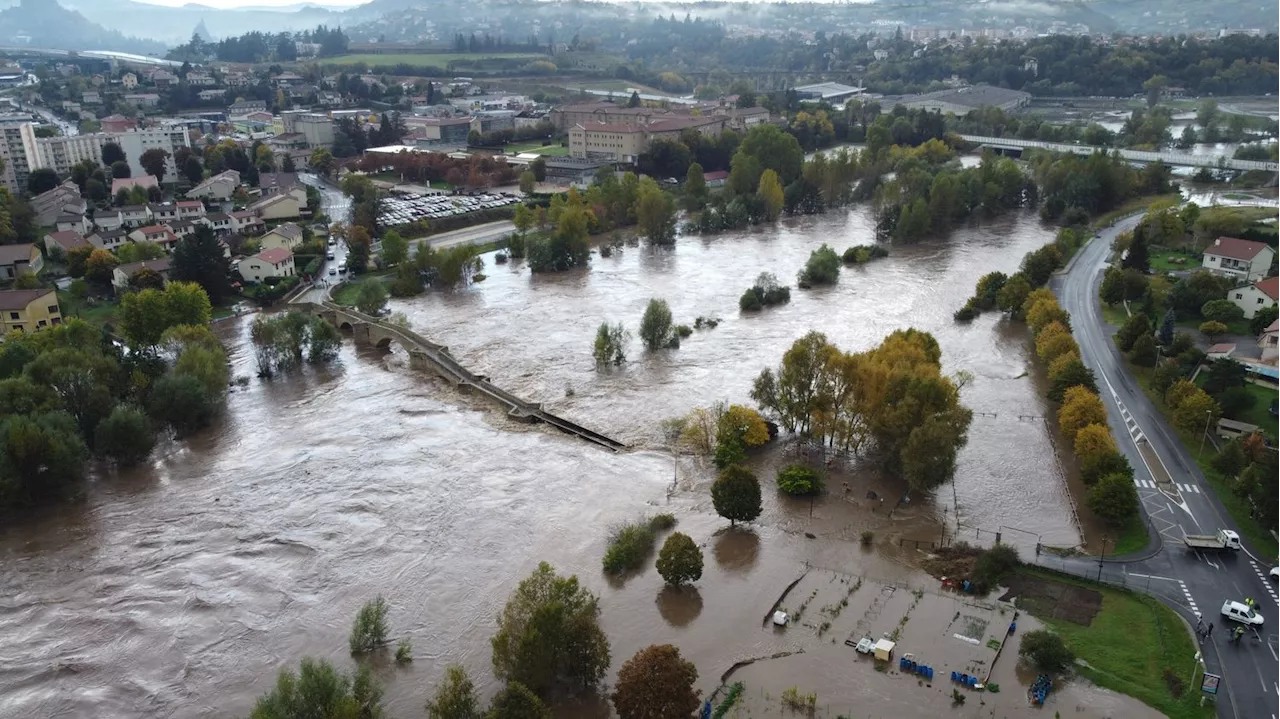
x,y
1190,582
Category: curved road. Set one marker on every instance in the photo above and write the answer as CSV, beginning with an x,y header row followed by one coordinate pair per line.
x,y
1177,501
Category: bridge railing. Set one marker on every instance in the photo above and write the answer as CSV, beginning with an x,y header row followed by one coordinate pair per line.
x,y
1169,158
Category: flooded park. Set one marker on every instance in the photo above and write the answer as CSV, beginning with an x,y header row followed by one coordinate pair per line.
x,y
180,588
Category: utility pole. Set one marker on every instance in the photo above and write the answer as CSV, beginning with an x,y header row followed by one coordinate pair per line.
x,y
1208,415
1102,557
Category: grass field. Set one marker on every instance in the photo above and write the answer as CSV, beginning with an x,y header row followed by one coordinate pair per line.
x,y
1164,261
539,149
95,313
1134,646
1133,205
440,60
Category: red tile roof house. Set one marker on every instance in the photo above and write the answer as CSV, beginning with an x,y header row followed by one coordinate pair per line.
x,y
146,182
190,209
65,240
276,262
159,234
1256,296
1241,260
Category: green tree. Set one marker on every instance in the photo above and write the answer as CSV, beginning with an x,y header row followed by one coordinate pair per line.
x,y
372,297
515,701
1224,311
549,635
1262,319
153,161
1114,499
1144,351
395,249
822,268
41,180
369,629
456,697
193,170
799,479
1046,651
610,346
319,691
1139,325
100,266
1014,293
528,183
775,150
182,403
1197,412
539,169
655,214
322,161
145,315
139,251
1070,372
40,457
680,560
1112,289
656,683
1212,329
770,194
695,187
199,258
125,436
121,170
736,494
657,329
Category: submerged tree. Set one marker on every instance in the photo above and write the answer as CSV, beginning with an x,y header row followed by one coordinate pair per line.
x,y
610,346
657,329
319,690
285,341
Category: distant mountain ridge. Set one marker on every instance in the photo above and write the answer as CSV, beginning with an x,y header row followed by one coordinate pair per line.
x,y
173,25
46,24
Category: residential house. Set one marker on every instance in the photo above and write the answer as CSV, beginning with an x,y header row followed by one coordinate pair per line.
x,y
28,310
64,198
1256,296
200,79
220,222
275,262
274,183
277,207
156,234
164,78
109,239
118,123
716,178
287,236
134,215
218,187
247,222
65,241
73,222
91,97
1242,260
163,213
129,80
1267,342
122,274
182,228
285,79
16,259
108,219
190,209
146,182
244,107
211,95
143,99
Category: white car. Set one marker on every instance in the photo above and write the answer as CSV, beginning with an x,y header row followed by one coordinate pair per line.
x,y
1240,612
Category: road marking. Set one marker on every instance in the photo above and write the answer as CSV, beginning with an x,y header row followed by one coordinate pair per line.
x,y
1187,594
1150,576
1266,582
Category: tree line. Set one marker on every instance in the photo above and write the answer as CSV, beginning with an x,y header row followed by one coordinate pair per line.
x,y
256,46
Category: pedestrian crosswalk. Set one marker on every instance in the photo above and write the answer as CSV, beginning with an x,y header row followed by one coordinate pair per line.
x,y
1184,488
1265,581
1190,601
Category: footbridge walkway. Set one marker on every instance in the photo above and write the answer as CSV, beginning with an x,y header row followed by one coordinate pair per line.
x,y
425,354
1168,157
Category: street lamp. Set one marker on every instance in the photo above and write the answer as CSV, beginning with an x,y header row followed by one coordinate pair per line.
x,y
1208,415
1195,662
1102,557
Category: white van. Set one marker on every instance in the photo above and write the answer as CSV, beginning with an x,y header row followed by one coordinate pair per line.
x,y
1240,612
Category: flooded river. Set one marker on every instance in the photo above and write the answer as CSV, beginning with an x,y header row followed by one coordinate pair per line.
x,y
179,589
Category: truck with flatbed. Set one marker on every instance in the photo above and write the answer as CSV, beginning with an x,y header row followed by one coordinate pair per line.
x,y
1221,540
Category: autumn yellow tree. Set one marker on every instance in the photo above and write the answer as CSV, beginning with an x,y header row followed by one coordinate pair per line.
x,y
771,195
1094,440
1053,341
1080,408
1179,391
1197,412
1045,312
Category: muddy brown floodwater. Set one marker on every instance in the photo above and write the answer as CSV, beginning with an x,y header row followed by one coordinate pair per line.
x,y
179,589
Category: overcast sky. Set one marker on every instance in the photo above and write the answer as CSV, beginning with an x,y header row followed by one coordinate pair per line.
x,y
224,4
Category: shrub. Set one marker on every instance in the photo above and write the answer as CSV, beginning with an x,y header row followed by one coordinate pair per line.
x,y
125,436
799,479
369,630
610,347
992,566
868,537
766,292
661,522
1046,651
1235,401
683,331
404,651
629,545
823,268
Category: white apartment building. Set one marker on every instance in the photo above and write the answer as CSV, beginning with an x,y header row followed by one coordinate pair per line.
x,y
62,153
17,144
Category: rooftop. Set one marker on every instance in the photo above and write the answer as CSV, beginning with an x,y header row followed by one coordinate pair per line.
x,y
275,255
19,299
973,96
1269,287
1235,248
160,265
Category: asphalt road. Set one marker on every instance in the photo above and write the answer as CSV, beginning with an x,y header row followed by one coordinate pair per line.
x,y
476,235
1190,582
338,208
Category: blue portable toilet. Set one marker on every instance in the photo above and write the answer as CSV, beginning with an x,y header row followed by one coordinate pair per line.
x,y
706,709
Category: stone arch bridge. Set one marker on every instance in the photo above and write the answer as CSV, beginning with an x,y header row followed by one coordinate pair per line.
x,y
427,355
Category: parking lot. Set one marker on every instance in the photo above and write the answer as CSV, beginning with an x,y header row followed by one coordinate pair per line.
x,y
403,208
